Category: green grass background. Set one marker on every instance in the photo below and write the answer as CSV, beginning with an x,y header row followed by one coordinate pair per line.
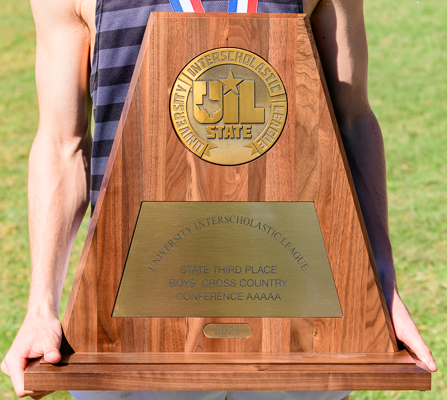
x,y
408,92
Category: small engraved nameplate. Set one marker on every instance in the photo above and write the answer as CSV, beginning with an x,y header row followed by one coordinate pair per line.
x,y
227,259
227,331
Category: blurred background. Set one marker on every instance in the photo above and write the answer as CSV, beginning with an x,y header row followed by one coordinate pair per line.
x,y
408,92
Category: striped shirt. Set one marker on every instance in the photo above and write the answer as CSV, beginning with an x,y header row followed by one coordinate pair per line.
x,y
120,26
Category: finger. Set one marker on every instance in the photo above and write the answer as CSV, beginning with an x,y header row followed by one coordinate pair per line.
x,y
40,395
423,353
414,341
5,369
51,351
17,370
52,355
408,333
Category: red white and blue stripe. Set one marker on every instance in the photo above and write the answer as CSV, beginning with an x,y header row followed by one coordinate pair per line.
x,y
234,6
242,6
187,6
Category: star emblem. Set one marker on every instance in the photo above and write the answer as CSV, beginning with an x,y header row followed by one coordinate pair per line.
x,y
231,83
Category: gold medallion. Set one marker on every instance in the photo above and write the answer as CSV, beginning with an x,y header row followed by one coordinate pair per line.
x,y
228,106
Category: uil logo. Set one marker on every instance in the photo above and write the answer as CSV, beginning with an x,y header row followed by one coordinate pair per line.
x,y
228,106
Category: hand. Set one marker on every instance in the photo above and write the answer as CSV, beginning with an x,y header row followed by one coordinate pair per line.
x,y
408,333
40,335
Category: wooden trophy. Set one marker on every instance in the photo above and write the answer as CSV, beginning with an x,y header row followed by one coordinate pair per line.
x,y
227,250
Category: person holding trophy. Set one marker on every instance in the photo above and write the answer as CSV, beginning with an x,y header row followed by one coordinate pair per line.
x,y
66,168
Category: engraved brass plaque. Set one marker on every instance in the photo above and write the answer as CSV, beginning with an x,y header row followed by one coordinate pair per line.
x,y
228,106
227,259
227,331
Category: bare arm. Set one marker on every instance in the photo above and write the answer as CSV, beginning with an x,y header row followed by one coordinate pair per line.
x,y
339,31
58,177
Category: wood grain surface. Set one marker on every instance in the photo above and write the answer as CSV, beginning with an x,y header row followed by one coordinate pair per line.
x,y
402,357
245,374
149,163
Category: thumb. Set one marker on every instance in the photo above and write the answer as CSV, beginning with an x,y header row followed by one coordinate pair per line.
x,y
408,333
52,354
421,350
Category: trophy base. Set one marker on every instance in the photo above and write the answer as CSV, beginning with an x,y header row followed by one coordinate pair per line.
x,y
219,371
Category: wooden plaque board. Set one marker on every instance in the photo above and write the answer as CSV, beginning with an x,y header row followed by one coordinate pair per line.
x,y
149,163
